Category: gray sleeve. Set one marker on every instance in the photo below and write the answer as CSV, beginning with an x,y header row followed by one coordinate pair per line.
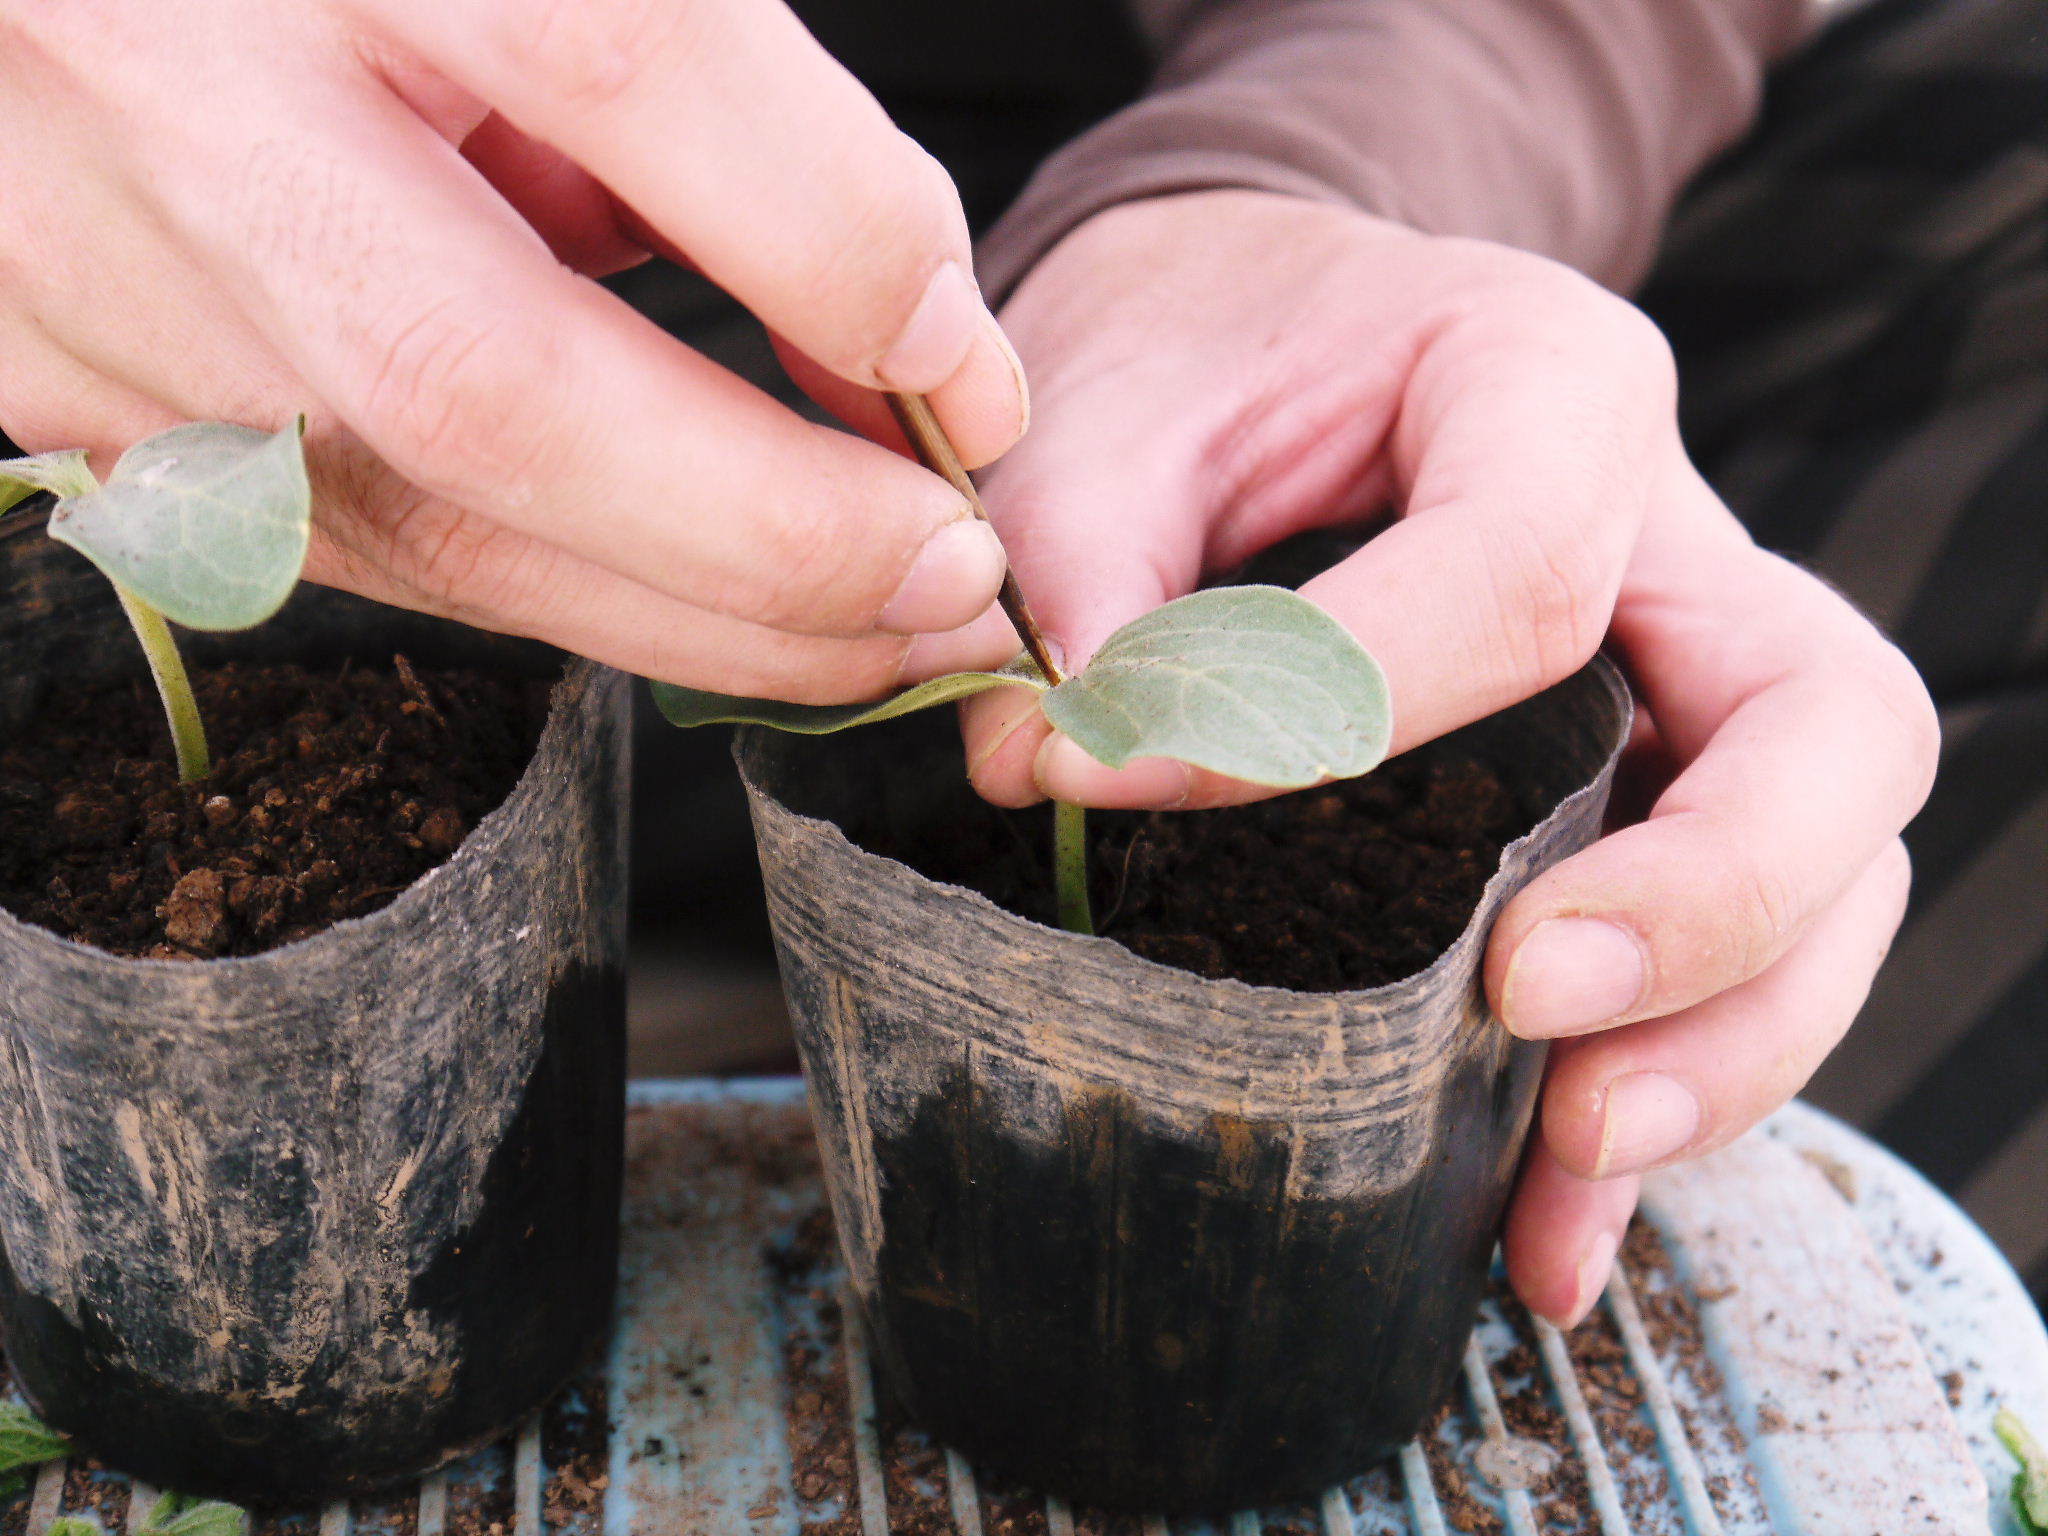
x,y
1564,127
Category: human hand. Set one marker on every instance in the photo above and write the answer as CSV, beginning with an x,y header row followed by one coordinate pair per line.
x,y
1216,371
388,213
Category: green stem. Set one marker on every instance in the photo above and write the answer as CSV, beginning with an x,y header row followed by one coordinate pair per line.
x,y
188,731
1070,865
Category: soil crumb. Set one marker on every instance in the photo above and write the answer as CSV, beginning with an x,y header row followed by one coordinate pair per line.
x,y
332,791
1349,886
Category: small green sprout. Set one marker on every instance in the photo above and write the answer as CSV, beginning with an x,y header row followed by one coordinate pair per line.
x,y
205,525
179,1514
2030,1483
174,1514
1254,682
25,1441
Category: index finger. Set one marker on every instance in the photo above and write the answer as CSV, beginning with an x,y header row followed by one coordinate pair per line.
x,y
729,129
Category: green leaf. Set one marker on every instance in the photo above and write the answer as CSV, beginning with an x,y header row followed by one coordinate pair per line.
x,y
63,473
1254,682
693,706
76,1525
2030,1485
207,523
26,1441
179,1514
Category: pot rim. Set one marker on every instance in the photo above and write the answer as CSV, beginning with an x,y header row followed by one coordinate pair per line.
x,y
1147,971
578,673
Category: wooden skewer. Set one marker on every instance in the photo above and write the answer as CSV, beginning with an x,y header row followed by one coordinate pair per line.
x,y
934,450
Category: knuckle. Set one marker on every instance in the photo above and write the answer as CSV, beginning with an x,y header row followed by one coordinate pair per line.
x,y
1552,598
798,577
1642,346
461,398
1570,314
833,540
454,561
593,53
457,562
1764,911
1902,698
895,227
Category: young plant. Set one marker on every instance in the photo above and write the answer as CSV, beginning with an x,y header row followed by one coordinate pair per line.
x,y
173,1514
1254,682
205,525
179,1514
25,1441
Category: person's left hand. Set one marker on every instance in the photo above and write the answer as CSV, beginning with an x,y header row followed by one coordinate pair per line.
x,y
1216,371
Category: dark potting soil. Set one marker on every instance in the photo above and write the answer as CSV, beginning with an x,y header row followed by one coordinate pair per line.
x,y
1354,885
332,791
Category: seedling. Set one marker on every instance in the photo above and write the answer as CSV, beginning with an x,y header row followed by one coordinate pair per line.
x,y
174,1514
26,1441
1253,682
205,525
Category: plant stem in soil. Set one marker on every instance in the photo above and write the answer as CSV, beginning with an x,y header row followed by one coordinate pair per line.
x,y
1070,866
188,731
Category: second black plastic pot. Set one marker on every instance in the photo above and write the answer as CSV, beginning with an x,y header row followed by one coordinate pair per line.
x,y
1133,1236
290,1227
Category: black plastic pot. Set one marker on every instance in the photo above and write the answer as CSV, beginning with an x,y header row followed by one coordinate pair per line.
x,y
294,1226
1133,1236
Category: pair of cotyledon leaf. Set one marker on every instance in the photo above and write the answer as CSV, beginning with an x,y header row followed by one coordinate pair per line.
x,y
208,524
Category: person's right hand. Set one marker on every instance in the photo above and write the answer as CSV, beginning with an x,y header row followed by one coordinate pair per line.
x,y
389,213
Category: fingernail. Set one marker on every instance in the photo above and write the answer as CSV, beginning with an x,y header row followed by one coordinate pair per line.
x,y
1591,1278
934,341
1571,974
1065,772
1016,713
954,578
1645,1118
996,334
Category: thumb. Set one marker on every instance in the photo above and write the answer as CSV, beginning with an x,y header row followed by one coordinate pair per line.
x,y
1098,532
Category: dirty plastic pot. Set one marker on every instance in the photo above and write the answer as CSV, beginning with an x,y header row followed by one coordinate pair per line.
x,y
1133,1236
294,1226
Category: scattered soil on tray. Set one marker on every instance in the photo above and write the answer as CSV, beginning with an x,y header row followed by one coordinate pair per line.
x,y
1671,1318
332,791
1620,1413
482,1509
1561,1496
393,1515
575,1447
814,1372
820,1418
1462,1508
87,1490
1353,885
